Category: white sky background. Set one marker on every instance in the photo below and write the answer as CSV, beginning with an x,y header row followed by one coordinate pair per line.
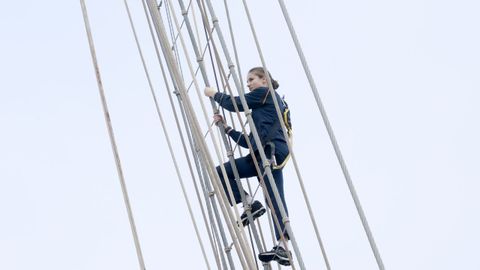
x,y
400,84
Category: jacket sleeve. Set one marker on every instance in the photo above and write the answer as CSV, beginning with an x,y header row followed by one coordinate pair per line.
x,y
254,100
238,137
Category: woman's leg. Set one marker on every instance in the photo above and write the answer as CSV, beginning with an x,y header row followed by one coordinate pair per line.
x,y
281,153
245,168
278,179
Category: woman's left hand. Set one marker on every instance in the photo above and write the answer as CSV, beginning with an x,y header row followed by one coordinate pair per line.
x,y
210,91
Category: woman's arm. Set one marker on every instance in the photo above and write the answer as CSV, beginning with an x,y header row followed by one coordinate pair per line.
x,y
237,136
254,100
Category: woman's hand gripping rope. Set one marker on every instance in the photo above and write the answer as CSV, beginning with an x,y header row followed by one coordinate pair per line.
x,y
220,122
210,91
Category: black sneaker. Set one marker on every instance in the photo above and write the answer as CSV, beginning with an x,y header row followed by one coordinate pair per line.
x,y
278,254
257,211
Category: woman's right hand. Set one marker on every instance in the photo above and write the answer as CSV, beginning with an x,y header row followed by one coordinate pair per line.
x,y
218,120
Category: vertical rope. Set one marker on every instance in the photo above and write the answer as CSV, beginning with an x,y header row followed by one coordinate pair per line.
x,y
189,111
112,138
171,149
257,236
174,39
292,153
256,137
211,204
195,150
338,153
196,28
230,153
276,221
237,111
237,61
232,69
234,44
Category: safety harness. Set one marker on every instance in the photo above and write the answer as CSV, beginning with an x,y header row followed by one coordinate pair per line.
x,y
288,125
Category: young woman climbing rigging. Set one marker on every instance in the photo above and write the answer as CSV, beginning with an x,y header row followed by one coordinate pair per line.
x,y
264,116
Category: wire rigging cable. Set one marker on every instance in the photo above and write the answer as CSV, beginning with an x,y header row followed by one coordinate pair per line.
x,y
256,137
195,150
225,85
230,154
187,56
218,210
285,133
196,129
244,132
329,128
106,113
167,137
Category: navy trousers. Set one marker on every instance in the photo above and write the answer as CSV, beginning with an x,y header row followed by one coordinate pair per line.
x,y
246,168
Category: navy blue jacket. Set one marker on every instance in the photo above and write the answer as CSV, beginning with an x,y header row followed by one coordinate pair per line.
x,y
264,116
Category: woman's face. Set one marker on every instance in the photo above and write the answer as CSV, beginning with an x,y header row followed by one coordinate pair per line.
x,y
253,81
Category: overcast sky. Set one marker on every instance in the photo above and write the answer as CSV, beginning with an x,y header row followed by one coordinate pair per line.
x,y
400,83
